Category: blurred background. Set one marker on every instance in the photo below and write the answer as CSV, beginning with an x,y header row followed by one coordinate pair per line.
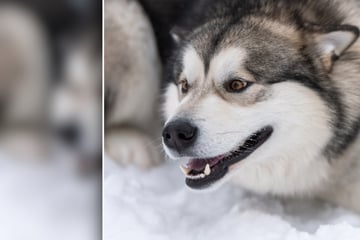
x,y
50,119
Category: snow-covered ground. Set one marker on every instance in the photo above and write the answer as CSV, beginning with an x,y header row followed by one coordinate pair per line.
x,y
156,205
47,200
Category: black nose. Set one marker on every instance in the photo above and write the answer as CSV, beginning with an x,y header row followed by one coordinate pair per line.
x,y
69,134
179,135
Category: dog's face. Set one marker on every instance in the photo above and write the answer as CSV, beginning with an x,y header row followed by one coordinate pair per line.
x,y
76,105
253,103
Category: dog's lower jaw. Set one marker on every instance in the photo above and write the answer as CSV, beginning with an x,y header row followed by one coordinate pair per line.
x,y
282,177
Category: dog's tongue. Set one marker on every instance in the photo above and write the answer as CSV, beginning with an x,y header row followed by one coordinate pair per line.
x,y
200,164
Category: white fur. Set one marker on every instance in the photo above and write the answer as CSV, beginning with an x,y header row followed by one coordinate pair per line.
x,y
171,100
227,64
294,151
335,42
194,69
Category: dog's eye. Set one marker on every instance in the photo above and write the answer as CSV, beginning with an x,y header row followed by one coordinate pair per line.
x,y
236,85
184,86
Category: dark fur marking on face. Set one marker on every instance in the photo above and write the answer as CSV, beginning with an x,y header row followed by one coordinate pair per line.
x,y
229,13
217,40
343,139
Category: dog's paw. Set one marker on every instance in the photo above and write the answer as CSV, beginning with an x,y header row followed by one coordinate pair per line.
x,y
132,147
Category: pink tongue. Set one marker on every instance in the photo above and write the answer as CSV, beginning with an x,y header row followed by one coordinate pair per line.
x,y
199,164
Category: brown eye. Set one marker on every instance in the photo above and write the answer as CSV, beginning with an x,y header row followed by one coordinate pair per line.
x,y
184,86
236,85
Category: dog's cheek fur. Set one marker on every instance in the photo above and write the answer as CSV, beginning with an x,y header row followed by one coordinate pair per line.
x,y
294,151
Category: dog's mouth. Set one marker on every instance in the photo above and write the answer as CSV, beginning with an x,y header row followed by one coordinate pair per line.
x,y
201,173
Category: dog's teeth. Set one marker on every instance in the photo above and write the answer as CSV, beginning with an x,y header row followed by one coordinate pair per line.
x,y
202,175
185,170
207,170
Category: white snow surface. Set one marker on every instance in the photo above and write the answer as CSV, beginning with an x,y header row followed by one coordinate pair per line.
x,y
47,200
156,205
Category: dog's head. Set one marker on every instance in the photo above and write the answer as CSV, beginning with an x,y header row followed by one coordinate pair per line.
x,y
254,101
76,102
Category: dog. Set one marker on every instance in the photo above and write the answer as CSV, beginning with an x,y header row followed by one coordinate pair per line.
x,y
132,85
266,94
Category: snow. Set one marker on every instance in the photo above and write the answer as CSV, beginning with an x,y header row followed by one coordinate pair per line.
x,y
47,200
156,205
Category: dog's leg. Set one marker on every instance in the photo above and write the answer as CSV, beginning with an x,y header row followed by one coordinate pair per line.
x,y
132,84
131,146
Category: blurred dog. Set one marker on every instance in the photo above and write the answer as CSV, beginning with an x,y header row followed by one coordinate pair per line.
x,y
50,82
132,85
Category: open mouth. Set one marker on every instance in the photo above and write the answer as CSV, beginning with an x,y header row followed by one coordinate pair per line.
x,y
201,173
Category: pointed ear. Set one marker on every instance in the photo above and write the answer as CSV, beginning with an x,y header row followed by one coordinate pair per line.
x,y
331,45
178,34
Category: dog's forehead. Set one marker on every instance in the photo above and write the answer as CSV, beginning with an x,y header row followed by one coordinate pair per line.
x,y
227,63
193,65
265,50
224,63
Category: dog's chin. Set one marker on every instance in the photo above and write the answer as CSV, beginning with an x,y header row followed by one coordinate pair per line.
x,y
201,173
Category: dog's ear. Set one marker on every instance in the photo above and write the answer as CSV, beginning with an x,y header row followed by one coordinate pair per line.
x,y
330,45
178,34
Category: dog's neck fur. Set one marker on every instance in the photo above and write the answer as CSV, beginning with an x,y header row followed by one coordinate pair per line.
x,y
343,187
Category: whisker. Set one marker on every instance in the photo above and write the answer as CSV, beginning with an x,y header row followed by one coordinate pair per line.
x,y
229,132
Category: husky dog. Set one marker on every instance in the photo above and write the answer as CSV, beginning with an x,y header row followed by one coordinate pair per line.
x,y
267,94
132,84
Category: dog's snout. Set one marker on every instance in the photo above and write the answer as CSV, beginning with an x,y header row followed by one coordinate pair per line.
x,y
179,135
69,134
